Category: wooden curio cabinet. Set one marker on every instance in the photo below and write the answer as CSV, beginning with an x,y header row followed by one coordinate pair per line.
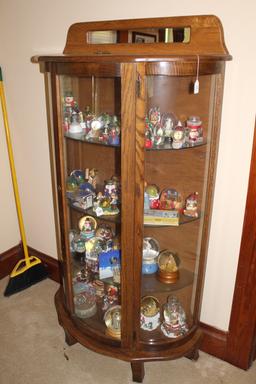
x,y
134,110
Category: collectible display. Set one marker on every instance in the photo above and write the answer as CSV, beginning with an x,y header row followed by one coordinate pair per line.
x,y
107,202
150,313
168,271
112,320
174,324
134,144
104,128
164,130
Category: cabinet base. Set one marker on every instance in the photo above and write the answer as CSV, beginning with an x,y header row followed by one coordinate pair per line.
x,y
185,347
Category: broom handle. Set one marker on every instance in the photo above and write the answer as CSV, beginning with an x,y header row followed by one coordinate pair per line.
x,y
13,172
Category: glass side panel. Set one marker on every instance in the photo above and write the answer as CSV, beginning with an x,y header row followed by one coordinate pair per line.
x,y
178,129
90,117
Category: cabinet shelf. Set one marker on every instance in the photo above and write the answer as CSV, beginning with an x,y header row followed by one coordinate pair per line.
x,y
151,285
183,220
110,218
81,138
168,147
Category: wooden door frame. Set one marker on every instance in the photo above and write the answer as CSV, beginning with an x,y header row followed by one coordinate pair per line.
x,y
241,338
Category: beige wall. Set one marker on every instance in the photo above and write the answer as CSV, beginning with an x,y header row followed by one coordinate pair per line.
x,y
32,26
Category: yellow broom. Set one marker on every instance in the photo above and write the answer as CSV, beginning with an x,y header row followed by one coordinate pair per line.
x,y
30,270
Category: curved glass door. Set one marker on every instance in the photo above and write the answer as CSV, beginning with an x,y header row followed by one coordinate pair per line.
x,y
90,115
178,139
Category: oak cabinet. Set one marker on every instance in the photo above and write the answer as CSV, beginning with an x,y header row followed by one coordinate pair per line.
x,y
134,131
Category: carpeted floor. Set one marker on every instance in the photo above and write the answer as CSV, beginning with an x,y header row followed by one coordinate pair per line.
x,y
33,350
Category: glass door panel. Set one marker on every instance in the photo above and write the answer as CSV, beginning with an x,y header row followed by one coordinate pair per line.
x,y
178,126
91,126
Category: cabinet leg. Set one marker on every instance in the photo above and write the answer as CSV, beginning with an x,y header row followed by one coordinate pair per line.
x,y
69,339
193,355
138,371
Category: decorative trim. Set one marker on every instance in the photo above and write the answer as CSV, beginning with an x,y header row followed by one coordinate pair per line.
x,y
9,259
214,341
53,265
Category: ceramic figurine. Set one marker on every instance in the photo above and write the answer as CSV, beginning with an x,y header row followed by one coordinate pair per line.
x,y
168,271
174,324
194,130
170,199
178,136
191,205
150,313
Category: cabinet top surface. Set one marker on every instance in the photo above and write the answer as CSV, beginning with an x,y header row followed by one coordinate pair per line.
x,y
155,39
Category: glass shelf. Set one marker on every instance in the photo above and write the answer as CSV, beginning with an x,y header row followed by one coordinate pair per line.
x,y
168,146
150,283
182,220
81,137
91,212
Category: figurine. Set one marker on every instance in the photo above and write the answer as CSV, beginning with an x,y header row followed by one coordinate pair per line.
x,y
174,324
191,205
194,130
178,136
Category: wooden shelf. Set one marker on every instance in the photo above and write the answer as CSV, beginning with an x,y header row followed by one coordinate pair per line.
x,y
151,285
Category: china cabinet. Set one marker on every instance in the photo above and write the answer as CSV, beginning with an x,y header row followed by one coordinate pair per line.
x,y
134,114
